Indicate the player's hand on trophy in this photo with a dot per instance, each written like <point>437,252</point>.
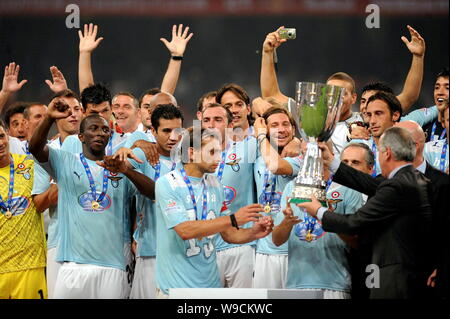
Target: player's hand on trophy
<point>327,155</point>
<point>273,41</point>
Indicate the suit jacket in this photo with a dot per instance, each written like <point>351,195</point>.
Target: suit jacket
<point>398,217</point>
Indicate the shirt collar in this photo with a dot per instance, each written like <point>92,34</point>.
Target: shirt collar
<point>422,167</point>
<point>396,170</point>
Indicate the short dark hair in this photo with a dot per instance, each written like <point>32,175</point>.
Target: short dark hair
<point>378,87</point>
<point>66,93</point>
<point>2,124</point>
<point>15,108</point>
<point>89,117</point>
<point>343,77</point>
<point>370,158</point>
<point>204,133</point>
<point>95,94</point>
<point>444,73</point>
<point>26,112</point>
<point>167,112</point>
<point>276,110</point>
<point>390,99</point>
<point>152,91</point>
<point>205,96</point>
<point>240,93</point>
<point>227,111</point>
<point>135,100</point>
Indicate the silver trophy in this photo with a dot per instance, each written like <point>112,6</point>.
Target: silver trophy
<point>316,112</point>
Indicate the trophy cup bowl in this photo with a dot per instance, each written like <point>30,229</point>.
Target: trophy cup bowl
<point>316,112</point>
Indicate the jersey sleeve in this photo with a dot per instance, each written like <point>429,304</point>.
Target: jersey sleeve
<point>173,209</point>
<point>41,181</point>
<point>353,201</point>
<point>422,116</point>
<point>295,163</point>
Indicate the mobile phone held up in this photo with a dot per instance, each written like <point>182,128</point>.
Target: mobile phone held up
<point>288,33</point>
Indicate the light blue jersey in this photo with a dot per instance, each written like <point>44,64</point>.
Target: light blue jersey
<point>186,263</point>
<point>145,234</point>
<point>138,135</point>
<point>436,155</point>
<point>422,116</point>
<point>320,263</point>
<point>42,181</point>
<point>87,235</point>
<point>238,181</point>
<point>265,245</point>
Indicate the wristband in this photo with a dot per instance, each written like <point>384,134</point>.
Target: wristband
<point>264,134</point>
<point>260,140</point>
<point>177,58</point>
<point>234,221</point>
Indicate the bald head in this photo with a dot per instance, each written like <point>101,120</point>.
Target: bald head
<point>417,135</point>
<point>162,98</point>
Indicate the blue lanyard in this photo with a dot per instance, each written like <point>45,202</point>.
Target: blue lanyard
<point>433,130</point>
<point>374,151</point>
<point>310,221</point>
<point>268,197</point>
<point>6,208</point>
<point>109,147</point>
<point>158,169</point>
<point>91,181</point>
<point>443,155</point>
<point>221,166</point>
<point>191,192</point>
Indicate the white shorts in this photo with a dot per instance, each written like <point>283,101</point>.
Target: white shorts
<point>129,259</point>
<point>144,285</point>
<point>236,266</point>
<point>331,294</point>
<point>52,271</point>
<point>84,281</point>
<point>270,271</point>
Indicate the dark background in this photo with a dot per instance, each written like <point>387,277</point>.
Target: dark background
<point>223,49</point>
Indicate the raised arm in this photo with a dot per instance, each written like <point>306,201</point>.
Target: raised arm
<point>274,162</point>
<point>176,47</point>
<point>88,43</point>
<point>10,84</point>
<point>413,82</point>
<point>59,82</point>
<point>38,142</point>
<point>268,78</point>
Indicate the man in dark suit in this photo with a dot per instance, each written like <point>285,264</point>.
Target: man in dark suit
<point>397,216</point>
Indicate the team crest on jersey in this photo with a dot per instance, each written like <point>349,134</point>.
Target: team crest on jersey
<point>19,205</point>
<point>276,201</point>
<point>234,162</point>
<point>309,225</point>
<point>114,179</point>
<point>230,194</point>
<point>23,170</point>
<point>85,201</point>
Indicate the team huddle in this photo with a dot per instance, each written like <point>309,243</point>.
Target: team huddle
<point>129,201</point>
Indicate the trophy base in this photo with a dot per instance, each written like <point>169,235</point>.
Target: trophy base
<point>302,194</point>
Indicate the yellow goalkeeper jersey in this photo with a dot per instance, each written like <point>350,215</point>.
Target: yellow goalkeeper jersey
<point>22,239</point>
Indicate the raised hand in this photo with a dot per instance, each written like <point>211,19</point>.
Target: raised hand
<point>57,109</point>
<point>262,227</point>
<point>10,84</point>
<point>273,41</point>
<point>289,216</point>
<point>260,126</point>
<point>150,150</point>
<point>59,82</point>
<point>417,44</point>
<point>180,38</point>
<point>88,43</point>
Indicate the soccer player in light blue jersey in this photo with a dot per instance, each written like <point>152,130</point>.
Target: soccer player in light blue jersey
<point>191,210</point>
<point>92,196</point>
<point>167,120</point>
<point>436,152</point>
<point>317,259</point>
<point>272,173</point>
<point>45,189</point>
